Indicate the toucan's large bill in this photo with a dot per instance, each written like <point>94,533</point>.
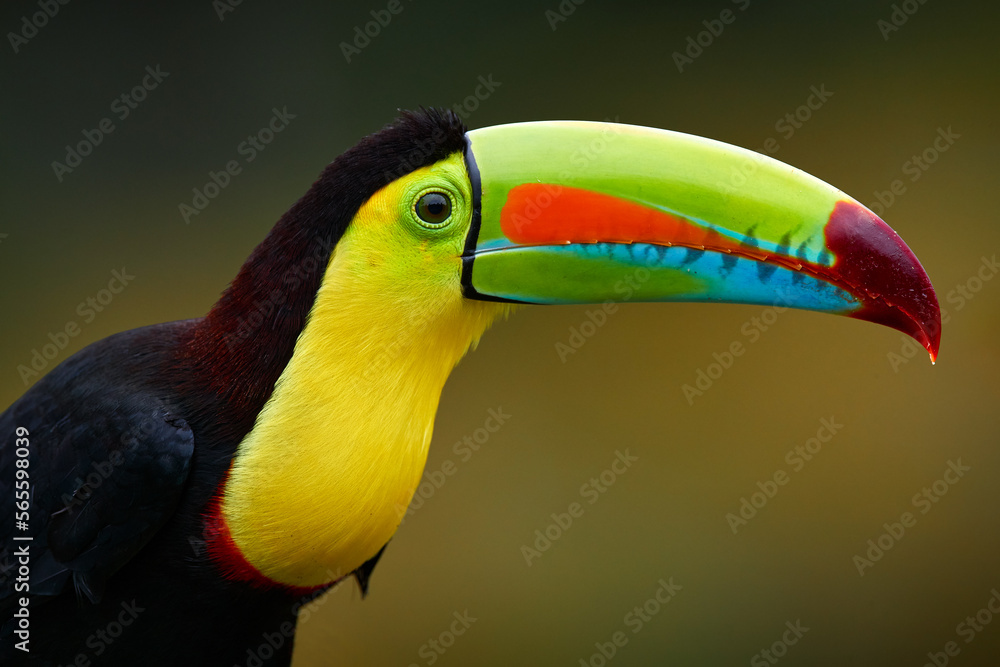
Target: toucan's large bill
<point>564,210</point>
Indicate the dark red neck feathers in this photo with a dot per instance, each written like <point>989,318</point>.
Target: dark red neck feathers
<point>232,357</point>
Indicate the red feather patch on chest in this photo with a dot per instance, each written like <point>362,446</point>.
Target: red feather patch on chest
<point>228,558</point>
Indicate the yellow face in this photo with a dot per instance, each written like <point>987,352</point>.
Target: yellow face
<point>409,237</point>
<point>322,481</point>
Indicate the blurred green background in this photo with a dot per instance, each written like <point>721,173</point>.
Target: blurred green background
<point>903,419</point>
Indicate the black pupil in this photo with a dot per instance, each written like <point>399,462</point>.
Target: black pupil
<point>433,207</point>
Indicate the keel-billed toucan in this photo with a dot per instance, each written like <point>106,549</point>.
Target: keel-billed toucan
<point>194,481</point>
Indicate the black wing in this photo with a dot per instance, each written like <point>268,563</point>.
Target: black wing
<point>106,463</point>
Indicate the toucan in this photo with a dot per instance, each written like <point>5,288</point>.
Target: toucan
<point>173,494</point>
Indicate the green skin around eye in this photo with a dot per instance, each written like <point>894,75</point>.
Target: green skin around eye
<point>446,239</point>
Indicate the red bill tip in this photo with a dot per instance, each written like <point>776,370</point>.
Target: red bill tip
<point>884,273</point>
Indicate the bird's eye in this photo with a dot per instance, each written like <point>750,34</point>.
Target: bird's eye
<point>434,209</point>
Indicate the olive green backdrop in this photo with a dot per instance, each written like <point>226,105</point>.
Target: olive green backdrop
<point>895,92</point>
